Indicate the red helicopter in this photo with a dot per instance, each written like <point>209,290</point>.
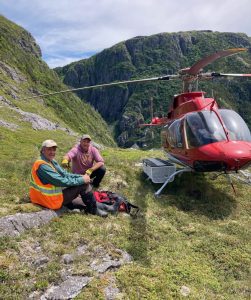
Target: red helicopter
<point>196,133</point>
<point>199,134</point>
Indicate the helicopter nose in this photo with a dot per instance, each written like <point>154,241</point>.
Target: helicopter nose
<point>224,156</point>
<point>236,154</point>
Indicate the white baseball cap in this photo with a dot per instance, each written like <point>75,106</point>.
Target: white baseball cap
<point>86,136</point>
<point>49,143</point>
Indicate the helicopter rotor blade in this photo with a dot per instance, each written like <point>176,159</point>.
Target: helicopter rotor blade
<point>196,68</point>
<point>187,75</point>
<point>165,77</point>
<point>229,75</point>
<point>216,74</point>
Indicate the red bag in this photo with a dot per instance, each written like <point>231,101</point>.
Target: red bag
<point>110,198</point>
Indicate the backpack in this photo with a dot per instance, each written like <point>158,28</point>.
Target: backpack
<point>120,202</point>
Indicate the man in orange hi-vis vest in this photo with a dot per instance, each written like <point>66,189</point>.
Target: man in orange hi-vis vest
<point>51,186</point>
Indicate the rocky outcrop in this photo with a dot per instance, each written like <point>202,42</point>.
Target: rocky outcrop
<point>37,122</point>
<point>16,224</point>
<point>28,44</point>
<point>100,262</point>
<point>11,72</point>
<point>8,125</point>
<point>68,289</point>
<point>97,259</point>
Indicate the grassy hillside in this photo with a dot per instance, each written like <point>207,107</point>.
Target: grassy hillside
<point>196,234</point>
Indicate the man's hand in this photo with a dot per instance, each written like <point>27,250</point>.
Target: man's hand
<point>89,172</point>
<point>86,178</point>
<point>65,163</point>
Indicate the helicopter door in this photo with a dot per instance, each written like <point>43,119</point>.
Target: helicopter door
<point>174,134</point>
<point>203,128</point>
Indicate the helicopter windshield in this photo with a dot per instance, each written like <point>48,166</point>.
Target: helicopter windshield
<point>203,128</point>
<point>236,126</point>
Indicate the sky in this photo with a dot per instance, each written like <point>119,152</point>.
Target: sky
<point>70,30</point>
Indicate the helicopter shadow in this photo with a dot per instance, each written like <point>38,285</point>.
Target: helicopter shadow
<point>197,193</point>
<point>139,231</point>
<point>193,193</point>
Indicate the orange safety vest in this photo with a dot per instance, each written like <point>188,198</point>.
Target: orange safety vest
<point>46,195</point>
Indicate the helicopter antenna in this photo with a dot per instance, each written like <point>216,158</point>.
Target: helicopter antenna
<point>151,107</point>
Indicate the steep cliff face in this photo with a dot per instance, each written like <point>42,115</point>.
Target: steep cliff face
<point>156,55</point>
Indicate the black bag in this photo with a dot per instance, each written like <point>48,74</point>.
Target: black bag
<point>118,201</point>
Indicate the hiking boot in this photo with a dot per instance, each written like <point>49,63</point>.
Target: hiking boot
<point>110,208</point>
<point>101,213</point>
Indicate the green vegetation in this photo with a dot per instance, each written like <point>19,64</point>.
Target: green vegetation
<point>195,235</point>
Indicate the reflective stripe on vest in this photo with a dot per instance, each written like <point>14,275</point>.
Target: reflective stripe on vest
<point>46,195</point>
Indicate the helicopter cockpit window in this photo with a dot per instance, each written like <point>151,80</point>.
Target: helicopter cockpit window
<point>175,134</point>
<point>236,126</point>
<point>203,128</point>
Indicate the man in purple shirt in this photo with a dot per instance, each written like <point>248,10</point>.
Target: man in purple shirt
<point>86,159</point>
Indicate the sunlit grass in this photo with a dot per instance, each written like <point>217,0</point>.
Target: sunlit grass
<point>195,234</point>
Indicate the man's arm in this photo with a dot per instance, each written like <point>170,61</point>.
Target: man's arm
<point>69,156</point>
<point>50,176</point>
<point>97,165</point>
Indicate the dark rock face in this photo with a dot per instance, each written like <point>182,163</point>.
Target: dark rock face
<point>143,57</point>
<point>28,44</point>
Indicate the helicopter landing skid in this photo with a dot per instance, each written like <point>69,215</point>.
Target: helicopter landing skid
<point>171,178</point>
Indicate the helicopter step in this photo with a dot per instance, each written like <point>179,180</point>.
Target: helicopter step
<point>162,171</point>
<point>158,170</point>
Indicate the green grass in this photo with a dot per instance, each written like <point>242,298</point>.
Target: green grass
<point>195,234</point>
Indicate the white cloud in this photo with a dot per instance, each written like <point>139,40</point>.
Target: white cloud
<point>60,61</point>
<point>64,28</point>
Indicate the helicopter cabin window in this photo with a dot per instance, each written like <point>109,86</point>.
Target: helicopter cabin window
<point>175,134</point>
<point>236,126</point>
<point>203,128</point>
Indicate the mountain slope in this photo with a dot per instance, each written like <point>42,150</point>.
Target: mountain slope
<point>23,74</point>
<point>156,55</point>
